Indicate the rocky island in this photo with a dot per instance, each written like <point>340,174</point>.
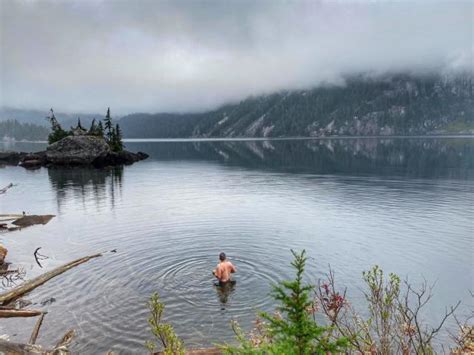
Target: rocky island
<point>97,147</point>
<point>73,151</point>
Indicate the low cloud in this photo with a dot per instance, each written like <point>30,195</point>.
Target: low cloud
<point>179,56</point>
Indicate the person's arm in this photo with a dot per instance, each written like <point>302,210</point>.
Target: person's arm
<point>217,273</point>
<point>232,268</point>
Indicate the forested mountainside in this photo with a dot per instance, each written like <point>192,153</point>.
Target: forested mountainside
<point>395,105</point>
<point>12,129</point>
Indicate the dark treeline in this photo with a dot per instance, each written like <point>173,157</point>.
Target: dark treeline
<point>23,131</point>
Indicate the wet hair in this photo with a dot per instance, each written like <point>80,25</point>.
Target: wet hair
<point>222,256</point>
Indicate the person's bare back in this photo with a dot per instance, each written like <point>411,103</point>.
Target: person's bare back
<point>224,269</point>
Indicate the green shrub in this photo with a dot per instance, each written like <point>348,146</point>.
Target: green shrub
<point>163,332</point>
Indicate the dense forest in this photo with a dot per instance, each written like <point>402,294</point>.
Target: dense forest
<point>393,105</point>
<point>12,129</point>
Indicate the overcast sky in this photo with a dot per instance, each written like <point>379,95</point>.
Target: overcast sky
<point>155,56</point>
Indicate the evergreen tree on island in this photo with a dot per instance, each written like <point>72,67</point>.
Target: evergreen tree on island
<point>100,129</point>
<point>117,145</point>
<point>108,126</point>
<point>96,130</point>
<point>79,123</point>
<point>112,135</point>
<point>93,128</point>
<point>57,132</point>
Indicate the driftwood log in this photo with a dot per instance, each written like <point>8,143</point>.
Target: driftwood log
<point>10,313</point>
<point>61,348</point>
<point>31,220</point>
<point>4,190</point>
<point>34,334</point>
<point>27,286</point>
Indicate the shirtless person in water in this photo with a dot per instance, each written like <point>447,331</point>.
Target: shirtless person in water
<point>224,269</point>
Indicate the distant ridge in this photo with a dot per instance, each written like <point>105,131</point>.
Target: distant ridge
<point>389,105</point>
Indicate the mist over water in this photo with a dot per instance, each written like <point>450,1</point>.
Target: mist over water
<point>404,204</point>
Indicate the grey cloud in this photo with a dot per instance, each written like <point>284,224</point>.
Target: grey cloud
<point>194,55</point>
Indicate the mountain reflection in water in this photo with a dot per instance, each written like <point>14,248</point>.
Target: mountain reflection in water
<point>415,157</point>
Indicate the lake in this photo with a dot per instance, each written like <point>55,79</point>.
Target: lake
<point>405,204</point>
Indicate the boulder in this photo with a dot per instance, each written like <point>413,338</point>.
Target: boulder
<point>33,160</point>
<point>77,150</point>
<point>120,158</point>
<point>11,158</point>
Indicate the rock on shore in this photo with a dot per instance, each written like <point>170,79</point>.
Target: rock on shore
<point>73,151</point>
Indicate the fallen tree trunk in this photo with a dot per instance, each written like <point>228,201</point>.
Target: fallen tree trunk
<point>61,347</point>
<point>27,286</point>
<point>10,313</point>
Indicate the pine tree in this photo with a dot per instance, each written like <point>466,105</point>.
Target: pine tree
<point>296,331</point>
<point>57,132</point>
<point>52,120</point>
<point>116,139</point>
<point>108,126</point>
<point>113,140</point>
<point>100,130</point>
<point>93,129</point>
<point>118,144</point>
<point>79,123</point>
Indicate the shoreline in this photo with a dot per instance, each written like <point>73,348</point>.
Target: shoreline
<point>245,139</point>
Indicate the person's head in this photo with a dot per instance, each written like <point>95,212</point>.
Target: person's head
<point>222,256</point>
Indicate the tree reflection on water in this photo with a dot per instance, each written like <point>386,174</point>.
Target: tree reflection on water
<point>86,183</point>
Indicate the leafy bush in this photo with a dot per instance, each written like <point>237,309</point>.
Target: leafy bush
<point>163,332</point>
<point>393,324</point>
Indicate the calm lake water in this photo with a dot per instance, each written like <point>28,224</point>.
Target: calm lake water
<point>404,204</point>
